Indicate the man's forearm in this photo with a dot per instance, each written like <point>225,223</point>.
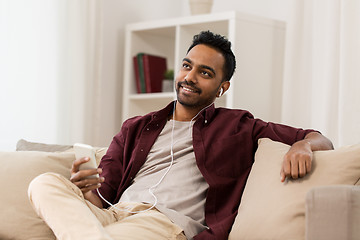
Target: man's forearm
<point>94,199</point>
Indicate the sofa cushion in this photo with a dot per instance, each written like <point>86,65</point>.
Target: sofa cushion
<point>271,209</point>
<point>23,145</point>
<point>18,220</point>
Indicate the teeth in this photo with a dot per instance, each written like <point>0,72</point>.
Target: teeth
<point>188,89</point>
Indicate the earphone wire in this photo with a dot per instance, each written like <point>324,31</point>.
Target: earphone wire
<point>167,170</point>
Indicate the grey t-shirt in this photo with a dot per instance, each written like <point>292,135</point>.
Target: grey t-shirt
<point>181,195</point>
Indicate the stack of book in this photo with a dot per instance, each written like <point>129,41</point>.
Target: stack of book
<point>149,72</point>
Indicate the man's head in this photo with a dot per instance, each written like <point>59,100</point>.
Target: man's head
<point>221,44</point>
<point>204,74</point>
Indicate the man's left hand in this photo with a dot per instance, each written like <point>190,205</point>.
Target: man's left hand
<point>297,161</point>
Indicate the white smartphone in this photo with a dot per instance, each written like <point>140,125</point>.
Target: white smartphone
<point>83,150</point>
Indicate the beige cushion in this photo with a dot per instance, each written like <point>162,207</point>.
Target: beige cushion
<point>23,145</point>
<point>99,153</point>
<point>271,209</point>
<point>17,218</point>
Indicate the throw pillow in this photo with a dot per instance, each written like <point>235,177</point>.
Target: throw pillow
<point>17,217</point>
<point>23,145</point>
<point>271,209</point>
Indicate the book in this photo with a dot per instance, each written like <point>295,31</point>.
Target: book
<point>154,68</point>
<point>141,72</point>
<point>137,74</point>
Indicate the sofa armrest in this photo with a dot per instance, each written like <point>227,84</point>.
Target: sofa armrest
<point>333,212</point>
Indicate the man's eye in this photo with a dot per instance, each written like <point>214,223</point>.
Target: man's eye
<point>206,73</point>
<point>185,65</point>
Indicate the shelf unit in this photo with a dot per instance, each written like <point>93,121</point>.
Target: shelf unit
<point>258,44</point>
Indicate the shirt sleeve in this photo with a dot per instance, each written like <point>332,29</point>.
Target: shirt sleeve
<point>112,166</point>
<point>278,132</point>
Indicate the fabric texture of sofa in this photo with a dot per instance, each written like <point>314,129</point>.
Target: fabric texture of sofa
<point>323,205</point>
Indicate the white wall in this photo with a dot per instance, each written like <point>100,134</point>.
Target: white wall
<point>24,114</point>
<point>118,13</point>
<point>28,107</point>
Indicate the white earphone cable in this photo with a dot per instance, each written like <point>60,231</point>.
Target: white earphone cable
<point>167,170</point>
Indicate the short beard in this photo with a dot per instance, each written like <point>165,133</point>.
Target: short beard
<point>197,105</point>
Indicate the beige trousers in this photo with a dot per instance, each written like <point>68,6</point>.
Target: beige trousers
<point>62,206</point>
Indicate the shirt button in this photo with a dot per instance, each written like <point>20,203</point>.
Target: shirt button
<point>147,129</point>
<point>205,121</point>
<point>141,150</point>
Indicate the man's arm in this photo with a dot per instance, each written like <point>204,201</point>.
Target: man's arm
<point>298,160</point>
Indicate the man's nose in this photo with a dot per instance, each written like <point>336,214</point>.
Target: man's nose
<point>191,76</point>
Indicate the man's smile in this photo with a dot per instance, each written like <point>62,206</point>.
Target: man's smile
<point>189,89</point>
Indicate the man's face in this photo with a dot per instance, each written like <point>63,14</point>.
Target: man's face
<point>200,77</point>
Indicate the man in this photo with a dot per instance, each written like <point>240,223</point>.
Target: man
<point>177,173</point>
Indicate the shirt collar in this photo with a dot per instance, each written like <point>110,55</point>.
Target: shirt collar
<point>206,115</point>
<point>165,112</point>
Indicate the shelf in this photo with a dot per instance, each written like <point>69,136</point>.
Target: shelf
<point>257,42</point>
<point>149,96</point>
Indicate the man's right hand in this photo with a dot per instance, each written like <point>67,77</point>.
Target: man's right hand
<point>81,179</point>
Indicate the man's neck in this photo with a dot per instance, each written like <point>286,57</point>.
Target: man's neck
<point>183,113</point>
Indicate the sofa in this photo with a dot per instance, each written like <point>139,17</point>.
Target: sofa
<point>325,204</point>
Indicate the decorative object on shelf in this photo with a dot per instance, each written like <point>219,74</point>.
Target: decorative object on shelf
<point>168,82</point>
<point>200,6</point>
<point>149,72</point>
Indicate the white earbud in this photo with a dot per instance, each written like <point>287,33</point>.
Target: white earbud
<point>221,92</point>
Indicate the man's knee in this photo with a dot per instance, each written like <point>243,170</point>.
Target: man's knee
<point>42,183</point>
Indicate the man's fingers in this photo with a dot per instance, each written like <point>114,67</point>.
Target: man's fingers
<point>82,179</point>
<point>308,164</point>
<point>282,176</point>
<point>89,187</point>
<point>294,169</point>
<point>76,164</point>
<point>302,169</point>
<point>88,184</point>
<point>297,161</point>
<point>285,170</point>
<point>84,174</point>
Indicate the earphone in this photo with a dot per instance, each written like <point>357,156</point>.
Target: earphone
<point>168,169</point>
<point>221,92</point>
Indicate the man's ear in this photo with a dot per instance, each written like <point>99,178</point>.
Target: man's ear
<point>224,87</point>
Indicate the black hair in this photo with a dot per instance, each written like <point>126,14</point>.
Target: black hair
<point>221,44</point>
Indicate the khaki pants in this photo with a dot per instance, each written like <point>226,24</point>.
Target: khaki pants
<point>62,206</point>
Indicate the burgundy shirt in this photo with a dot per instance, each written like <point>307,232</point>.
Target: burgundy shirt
<point>225,141</point>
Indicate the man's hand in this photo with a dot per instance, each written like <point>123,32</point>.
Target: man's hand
<point>297,161</point>
<point>81,180</point>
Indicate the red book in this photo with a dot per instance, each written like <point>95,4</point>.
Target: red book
<point>154,69</point>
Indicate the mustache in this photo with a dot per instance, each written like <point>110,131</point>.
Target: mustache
<point>189,85</point>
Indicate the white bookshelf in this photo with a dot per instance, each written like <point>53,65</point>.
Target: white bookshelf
<point>258,44</point>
